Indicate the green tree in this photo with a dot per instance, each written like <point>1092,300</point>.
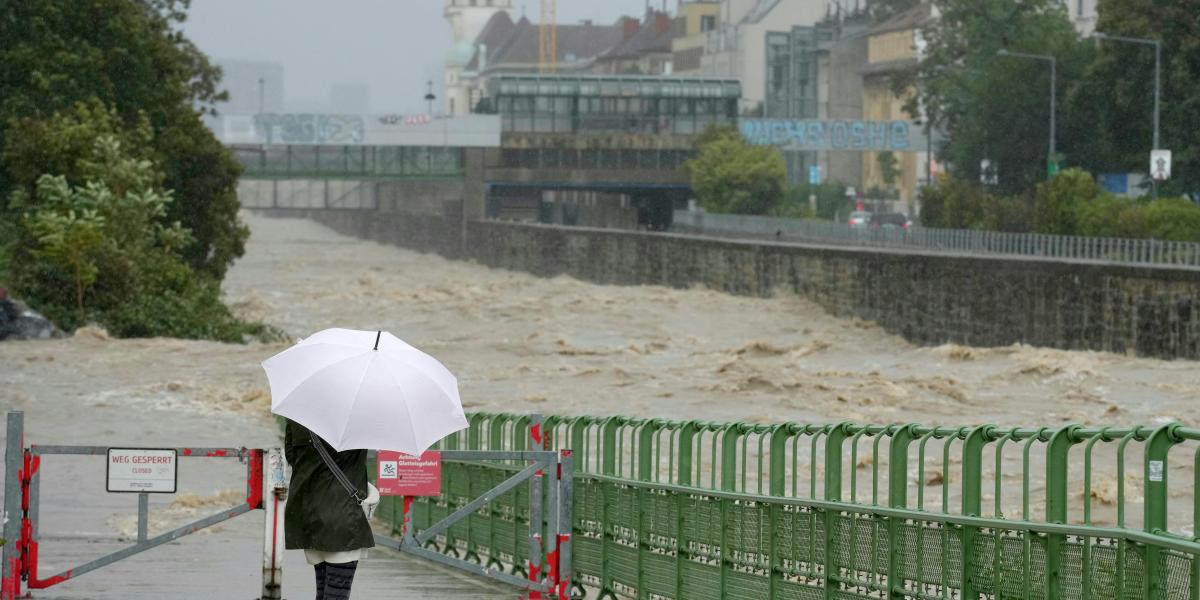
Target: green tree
<point>1118,88</point>
<point>132,56</point>
<point>1174,219</point>
<point>794,205</point>
<point>1057,202</point>
<point>958,204</point>
<point>889,167</point>
<point>69,241</point>
<point>65,144</point>
<point>106,250</point>
<point>997,107</point>
<point>730,175</point>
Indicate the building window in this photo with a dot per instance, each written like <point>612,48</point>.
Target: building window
<point>708,23</point>
<point>452,106</point>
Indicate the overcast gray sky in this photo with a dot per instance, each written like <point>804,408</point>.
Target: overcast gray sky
<point>393,46</point>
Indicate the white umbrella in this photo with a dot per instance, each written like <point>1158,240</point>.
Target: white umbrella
<point>365,389</point>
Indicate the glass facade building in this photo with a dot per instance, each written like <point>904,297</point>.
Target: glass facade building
<point>582,104</point>
<point>792,72</point>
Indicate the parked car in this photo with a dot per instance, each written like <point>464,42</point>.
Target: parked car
<point>860,219</point>
<point>890,221</point>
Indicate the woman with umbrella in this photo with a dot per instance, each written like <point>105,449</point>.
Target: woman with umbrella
<point>320,517</point>
<point>343,392</point>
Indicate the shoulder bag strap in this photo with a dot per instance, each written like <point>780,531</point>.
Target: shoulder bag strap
<point>337,471</point>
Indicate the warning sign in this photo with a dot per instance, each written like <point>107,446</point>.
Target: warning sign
<point>403,475</point>
<point>142,470</point>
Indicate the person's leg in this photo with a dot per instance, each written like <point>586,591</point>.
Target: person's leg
<point>320,569</point>
<point>338,577</point>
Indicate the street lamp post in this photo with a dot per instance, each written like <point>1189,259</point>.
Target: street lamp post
<point>1053,92</point>
<point>1157,79</point>
<point>429,97</point>
<point>927,123</point>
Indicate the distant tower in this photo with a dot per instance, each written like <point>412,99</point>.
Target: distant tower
<point>467,19</point>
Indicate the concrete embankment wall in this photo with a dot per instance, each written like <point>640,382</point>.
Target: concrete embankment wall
<point>425,232</point>
<point>927,298</point>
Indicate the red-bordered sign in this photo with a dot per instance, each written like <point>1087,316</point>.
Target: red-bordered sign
<point>403,475</point>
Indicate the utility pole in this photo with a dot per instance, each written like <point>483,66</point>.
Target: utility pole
<point>1157,81</point>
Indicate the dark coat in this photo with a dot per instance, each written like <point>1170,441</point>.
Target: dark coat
<point>320,515</point>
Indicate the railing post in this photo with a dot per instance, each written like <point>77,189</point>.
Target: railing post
<point>1058,451</point>
<point>687,434</point>
<point>729,457</point>
<point>579,426</point>
<point>833,493</point>
<point>475,423</point>
<point>14,458</point>
<point>902,438</point>
<point>833,461</point>
<point>553,505</point>
<point>536,523</point>
<point>534,566</point>
<point>646,449</point>
<point>777,468</point>
<point>274,497</point>
<point>566,521</point>
<point>143,523</point>
<point>608,446</point>
<point>1158,446</point>
<point>972,501</point>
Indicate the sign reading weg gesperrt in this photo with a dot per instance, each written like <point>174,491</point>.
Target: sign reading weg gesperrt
<point>142,470</point>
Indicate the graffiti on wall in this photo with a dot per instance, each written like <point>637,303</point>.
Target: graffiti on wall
<point>811,134</point>
<point>421,119</point>
<point>307,128</point>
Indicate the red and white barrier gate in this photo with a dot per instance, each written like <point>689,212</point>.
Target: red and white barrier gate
<point>141,471</point>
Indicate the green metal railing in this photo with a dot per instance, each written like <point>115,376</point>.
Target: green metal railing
<point>697,509</point>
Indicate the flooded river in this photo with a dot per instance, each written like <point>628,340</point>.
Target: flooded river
<point>519,343</point>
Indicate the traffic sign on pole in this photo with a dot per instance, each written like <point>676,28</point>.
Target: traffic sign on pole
<point>988,172</point>
<point>814,174</point>
<point>1160,165</point>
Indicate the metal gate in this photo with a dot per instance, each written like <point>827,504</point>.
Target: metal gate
<point>547,568</point>
<point>265,489</point>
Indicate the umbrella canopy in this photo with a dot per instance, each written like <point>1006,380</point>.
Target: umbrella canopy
<point>365,389</point>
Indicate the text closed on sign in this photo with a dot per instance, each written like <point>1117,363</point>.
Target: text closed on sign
<point>403,475</point>
<point>142,470</point>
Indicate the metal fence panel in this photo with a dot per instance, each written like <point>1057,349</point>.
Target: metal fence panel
<point>1128,251</point>
<point>692,509</point>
